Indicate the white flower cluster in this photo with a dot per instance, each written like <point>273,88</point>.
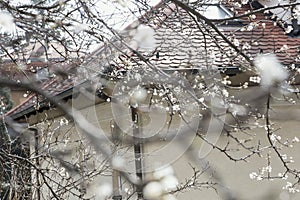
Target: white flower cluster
<point>144,37</point>
<point>236,42</point>
<point>295,139</point>
<point>259,177</point>
<point>288,29</point>
<point>63,121</point>
<point>254,175</point>
<point>165,181</point>
<point>225,93</point>
<point>137,95</point>
<point>63,172</point>
<point>104,191</point>
<point>284,48</point>
<point>290,187</point>
<point>244,2</point>
<point>236,109</point>
<point>275,138</point>
<point>255,79</point>
<point>6,22</point>
<point>79,27</point>
<point>118,163</point>
<point>176,108</point>
<point>226,81</point>
<point>246,46</point>
<point>270,70</point>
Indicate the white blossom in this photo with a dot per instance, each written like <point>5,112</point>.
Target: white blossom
<point>255,79</point>
<point>295,139</point>
<point>284,48</point>
<point>236,109</point>
<point>284,156</point>
<point>63,122</point>
<point>127,191</point>
<point>268,169</point>
<point>246,46</point>
<point>176,108</point>
<point>250,27</point>
<point>138,77</point>
<point>285,177</point>
<point>288,184</point>
<point>290,188</point>
<point>236,42</point>
<point>252,17</point>
<point>104,191</point>
<point>289,29</point>
<point>278,137</point>
<point>244,2</point>
<point>153,190</point>
<point>253,175</point>
<point>259,178</point>
<point>6,21</point>
<point>118,162</point>
<point>145,37</point>
<point>201,99</point>
<point>169,182</point>
<point>293,190</point>
<point>162,172</point>
<point>271,71</point>
<point>77,28</point>
<point>139,94</point>
<point>225,92</point>
<point>275,138</point>
<point>62,171</point>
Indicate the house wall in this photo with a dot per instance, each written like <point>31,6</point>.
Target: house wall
<point>18,96</point>
<point>233,175</point>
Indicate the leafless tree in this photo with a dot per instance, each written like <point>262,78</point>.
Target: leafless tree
<point>168,79</point>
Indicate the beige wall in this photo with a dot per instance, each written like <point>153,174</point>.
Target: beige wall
<point>234,175</point>
<point>17,97</point>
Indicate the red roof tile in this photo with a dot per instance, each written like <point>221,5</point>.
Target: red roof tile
<point>267,37</point>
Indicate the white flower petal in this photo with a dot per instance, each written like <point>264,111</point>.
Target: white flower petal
<point>6,21</point>
<point>145,37</point>
<point>169,183</point>
<point>162,172</point>
<point>153,190</point>
<point>271,71</point>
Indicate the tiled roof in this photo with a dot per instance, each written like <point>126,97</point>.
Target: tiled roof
<point>264,35</point>
<point>53,86</point>
<point>185,42</point>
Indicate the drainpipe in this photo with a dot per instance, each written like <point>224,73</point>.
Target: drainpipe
<point>116,177</point>
<point>37,163</point>
<point>138,149</point>
<point>294,20</point>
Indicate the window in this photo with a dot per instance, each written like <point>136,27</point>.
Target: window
<point>215,11</point>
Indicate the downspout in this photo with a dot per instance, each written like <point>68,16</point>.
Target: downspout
<point>296,28</point>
